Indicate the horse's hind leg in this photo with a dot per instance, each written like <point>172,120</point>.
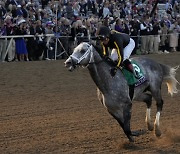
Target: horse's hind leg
<point>147,98</point>
<point>156,122</point>
<point>159,103</point>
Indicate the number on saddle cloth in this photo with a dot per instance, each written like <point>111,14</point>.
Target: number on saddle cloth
<point>131,79</point>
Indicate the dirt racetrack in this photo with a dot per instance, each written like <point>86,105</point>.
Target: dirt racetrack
<point>46,109</point>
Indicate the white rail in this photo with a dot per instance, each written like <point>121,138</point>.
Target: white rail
<point>49,36</point>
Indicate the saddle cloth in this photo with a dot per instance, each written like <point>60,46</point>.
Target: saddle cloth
<point>131,79</point>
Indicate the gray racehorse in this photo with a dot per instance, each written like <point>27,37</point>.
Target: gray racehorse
<point>113,92</point>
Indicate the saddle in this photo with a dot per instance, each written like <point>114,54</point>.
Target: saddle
<point>131,79</point>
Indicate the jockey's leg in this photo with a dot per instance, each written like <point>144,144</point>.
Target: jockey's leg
<point>127,52</point>
<point>128,49</point>
<point>128,65</point>
<point>114,55</point>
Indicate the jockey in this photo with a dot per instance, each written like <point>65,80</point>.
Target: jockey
<point>121,46</point>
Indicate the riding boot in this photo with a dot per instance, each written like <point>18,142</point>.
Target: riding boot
<point>128,65</point>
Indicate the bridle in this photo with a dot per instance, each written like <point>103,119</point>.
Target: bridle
<point>84,56</point>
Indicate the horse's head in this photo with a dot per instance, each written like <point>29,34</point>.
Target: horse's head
<point>81,56</point>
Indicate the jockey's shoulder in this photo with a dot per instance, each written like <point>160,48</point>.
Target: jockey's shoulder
<point>115,32</point>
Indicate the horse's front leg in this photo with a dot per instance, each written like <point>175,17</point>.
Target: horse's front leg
<point>123,116</point>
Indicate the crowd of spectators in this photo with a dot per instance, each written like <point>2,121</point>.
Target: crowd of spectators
<point>73,21</point>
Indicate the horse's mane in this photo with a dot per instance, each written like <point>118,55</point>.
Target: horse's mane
<point>106,59</point>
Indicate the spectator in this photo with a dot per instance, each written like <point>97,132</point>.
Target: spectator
<point>128,9</point>
<point>116,12</point>
<point>2,12</point>
<point>173,38</point>
<point>81,32</point>
<point>126,26</point>
<point>83,7</point>
<point>24,10</point>
<point>144,31</point>
<point>76,9</point>
<point>118,25</point>
<point>64,39</point>
<point>49,41</point>
<point>21,50</point>
<point>100,8</point>
<point>150,38</point>
<point>168,7</point>
<point>9,28</point>
<point>91,26</point>
<point>14,11</point>
<point>3,42</point>
<point>32,50</point>
<point>19,11</point>
<point>154,38</point>
<point>44,3</point>
<point>93,6</point>
<point>106,22</point>
<point>166,21</point>
<point>31,13</point>
<point>176,9</point>
<point>42,49</point>
<point>134,26</point>
<point>164,41</point>
<point>106,11</point>
<point>122,11</point>
<point>69,10</point>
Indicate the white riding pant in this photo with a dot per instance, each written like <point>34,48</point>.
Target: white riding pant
<point>126,51</point>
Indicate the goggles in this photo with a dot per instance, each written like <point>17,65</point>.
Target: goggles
<point>101,37</point>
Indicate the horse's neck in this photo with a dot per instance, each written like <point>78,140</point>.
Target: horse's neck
<point>100,72</point>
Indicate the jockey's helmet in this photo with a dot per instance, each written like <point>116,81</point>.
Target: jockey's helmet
<point>104,32</point>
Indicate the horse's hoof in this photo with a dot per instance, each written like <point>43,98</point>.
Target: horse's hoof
<point>131,139</point>
<point>138,132</point>
<point>150,127</point>
<point>135,133</point>
<point>157,131</point>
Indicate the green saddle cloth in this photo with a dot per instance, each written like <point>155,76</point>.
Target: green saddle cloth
<point>131,79</point>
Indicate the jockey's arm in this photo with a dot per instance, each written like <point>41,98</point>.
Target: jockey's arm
<point>99,48</point>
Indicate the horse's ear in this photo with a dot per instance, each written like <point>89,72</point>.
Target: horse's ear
<point>92,43</point>
<point>91,47</point>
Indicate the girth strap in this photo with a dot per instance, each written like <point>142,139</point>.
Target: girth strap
<point>131,91</point>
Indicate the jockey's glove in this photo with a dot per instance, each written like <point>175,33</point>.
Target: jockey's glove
<point>113,71</point>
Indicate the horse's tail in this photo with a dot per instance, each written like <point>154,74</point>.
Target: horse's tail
<point>169,77</point>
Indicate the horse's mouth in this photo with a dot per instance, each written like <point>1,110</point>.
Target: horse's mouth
<point>68,64</point>
<point>71,68</point>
